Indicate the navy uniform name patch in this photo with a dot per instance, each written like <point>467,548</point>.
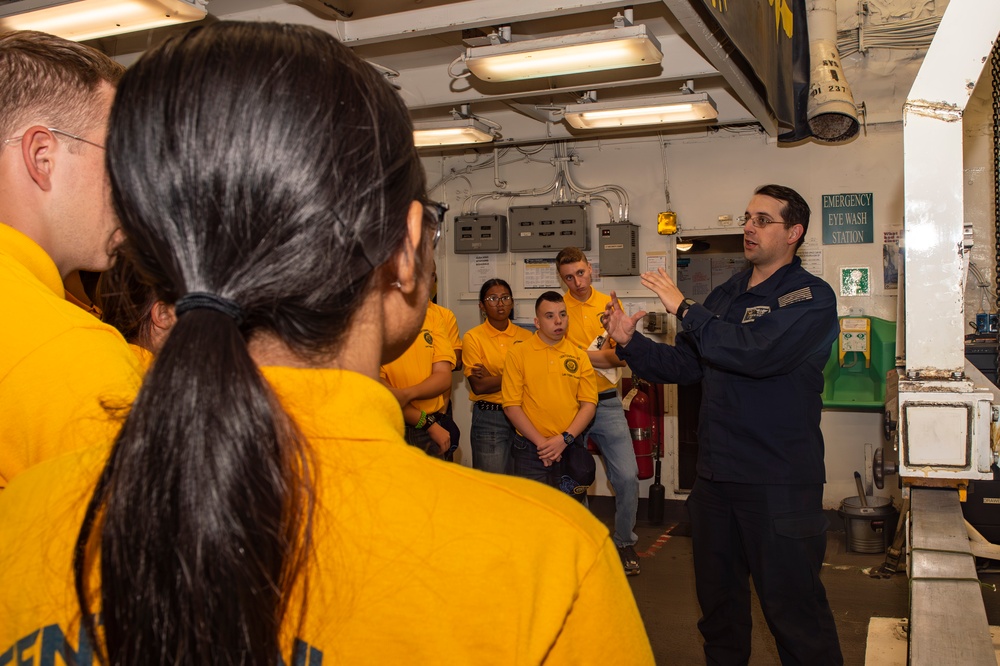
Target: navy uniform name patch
<point>797,296</point>
<point>755,313</point>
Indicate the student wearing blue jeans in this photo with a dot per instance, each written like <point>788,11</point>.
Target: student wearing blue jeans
<point>585,306</point>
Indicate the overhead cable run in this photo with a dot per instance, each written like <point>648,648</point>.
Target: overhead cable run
<point>901,35</point>
<point>565,188</point>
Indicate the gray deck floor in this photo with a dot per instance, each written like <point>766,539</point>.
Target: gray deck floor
<point>665,591</point>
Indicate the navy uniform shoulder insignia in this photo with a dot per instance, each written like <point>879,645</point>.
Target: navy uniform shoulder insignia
<point>797,296</point>
<point>754,313</point>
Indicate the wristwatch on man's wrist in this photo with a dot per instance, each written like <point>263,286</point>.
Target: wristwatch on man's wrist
<point>429,421</point>
<point>684,307</point>
<point>568,438</point>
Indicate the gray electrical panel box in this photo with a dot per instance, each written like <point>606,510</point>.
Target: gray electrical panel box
<point>545,228</point>
<point>618,248</point>
<point>480,234</point>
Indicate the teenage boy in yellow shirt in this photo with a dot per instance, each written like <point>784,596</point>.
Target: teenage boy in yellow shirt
<point>549,393</point>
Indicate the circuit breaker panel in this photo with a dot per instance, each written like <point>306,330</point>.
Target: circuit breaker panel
<point>547,228</point>
<point>618,247</point>
<point>480,234</point>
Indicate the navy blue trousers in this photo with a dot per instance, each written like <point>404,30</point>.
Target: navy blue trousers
<point>776,535</point>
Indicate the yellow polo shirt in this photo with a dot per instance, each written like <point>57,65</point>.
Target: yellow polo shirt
<point>414,366</point>
<point>448,323</point>
<point>549,382</point>
<point>585,325</point>
<point>485,344</point>
<point>59,365</point>
<point>415,561</point>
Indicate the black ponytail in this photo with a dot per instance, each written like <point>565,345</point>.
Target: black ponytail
<point>269,166</point>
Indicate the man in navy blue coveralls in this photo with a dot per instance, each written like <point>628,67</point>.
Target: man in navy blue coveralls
<point>758,345</point>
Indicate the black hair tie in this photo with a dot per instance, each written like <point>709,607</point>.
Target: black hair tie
<point>195,300</point>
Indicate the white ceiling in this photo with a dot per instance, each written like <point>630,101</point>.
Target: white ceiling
<point>420,38</point>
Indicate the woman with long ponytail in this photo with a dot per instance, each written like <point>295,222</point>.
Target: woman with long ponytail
<point>259,505</point>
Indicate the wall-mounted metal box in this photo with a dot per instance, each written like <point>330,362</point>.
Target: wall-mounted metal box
<point>618,248</point>
<point>480,234</point>
<point>545,228</point>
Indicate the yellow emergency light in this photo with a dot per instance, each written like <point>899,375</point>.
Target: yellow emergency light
<point>666,223</point>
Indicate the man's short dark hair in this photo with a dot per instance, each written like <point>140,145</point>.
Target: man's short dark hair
<point>548,296</point>
<point>48,80</point>
<point>795,209</point>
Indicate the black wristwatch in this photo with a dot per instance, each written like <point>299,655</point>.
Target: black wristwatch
<point>429,421</point>
<point>568,438</point>
<point>684,307</point>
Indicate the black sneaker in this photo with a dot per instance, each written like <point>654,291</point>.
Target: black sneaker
<point>630,560</point>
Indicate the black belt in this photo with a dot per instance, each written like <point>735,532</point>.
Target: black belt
<point>489,406</point>
<point>607,395</point>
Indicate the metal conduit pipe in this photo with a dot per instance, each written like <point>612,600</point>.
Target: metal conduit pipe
<point>831,113</point>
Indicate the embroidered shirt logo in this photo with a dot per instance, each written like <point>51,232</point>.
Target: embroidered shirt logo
<point>755,313</point>
<point>571,365</point>
<point>428,338</point>
<point>797,296</point>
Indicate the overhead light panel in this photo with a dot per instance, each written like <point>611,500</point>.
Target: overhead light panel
<point>596,51</point>
<point>452,132</point>
<point>80,20</point>
<point>681,108</point>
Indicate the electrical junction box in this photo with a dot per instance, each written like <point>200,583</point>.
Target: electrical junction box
<point>655,322</point>
<point>480,234</point>
<point>618,247</point>
<point>546,228</point>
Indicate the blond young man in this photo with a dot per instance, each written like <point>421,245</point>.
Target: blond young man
<point>60,366</point>
<point>585,306</point>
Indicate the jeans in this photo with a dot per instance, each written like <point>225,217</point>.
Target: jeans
<point>422,440</point>
<point>609,430</point>
<point>775,535</point>
<point>526,464</point>
<point>491,437</point>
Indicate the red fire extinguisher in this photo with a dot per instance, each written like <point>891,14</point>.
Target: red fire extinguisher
<point>639,415</point>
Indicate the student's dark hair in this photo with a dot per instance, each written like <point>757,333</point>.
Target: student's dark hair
<point>125,301</point>
<point>495,282</point>
<point>550,296</point>
<point>268,165</point>
<point>795,210</point>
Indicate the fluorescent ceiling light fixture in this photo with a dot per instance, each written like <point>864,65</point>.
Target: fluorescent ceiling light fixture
<point>80,20</point>
<point>682,108</point>
<point>451,132</point>
<point>570,54</point>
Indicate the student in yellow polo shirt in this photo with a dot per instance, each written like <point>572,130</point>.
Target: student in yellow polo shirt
<point>486,348</point>
<point>549,393</point>
<point>610,431</point>
<point>421,381</point>
<point>59,366</point>
<point>260,505</point>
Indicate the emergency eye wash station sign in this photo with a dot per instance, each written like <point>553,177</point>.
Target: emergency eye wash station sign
<point>847,219</point>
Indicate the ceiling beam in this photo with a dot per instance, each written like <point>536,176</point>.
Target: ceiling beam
<point>704,37</point>
<point>434,20</point>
